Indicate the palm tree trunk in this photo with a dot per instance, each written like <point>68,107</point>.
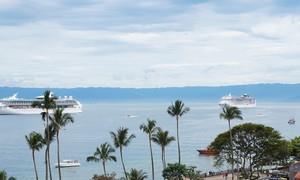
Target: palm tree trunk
<point>121,154</point>
<point>46,164</point>
<point>178,144</point>
<point>33,158</point>
<point>104,169</point>
<point>58,155</point>
<point>152,163</point>
<point>47,143</point>
<point>49,163</point>
<point>231,147</point>
<point>162,157</point>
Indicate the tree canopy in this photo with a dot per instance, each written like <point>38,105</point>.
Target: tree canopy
<point>254,145</point>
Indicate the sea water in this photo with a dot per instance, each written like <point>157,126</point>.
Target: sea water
<point>197,129</point>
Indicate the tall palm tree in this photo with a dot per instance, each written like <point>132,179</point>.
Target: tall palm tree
<point>47,103</point>
<point>163,139</point>
<point>35,142</point>
<point>177,110</point>
<point>51,136</point>
<point>122,139</point>
<point>229,113</point>
<point>59,120</point>
<point>103,154</point>
<point>149,129</point>
<point>135,174</point>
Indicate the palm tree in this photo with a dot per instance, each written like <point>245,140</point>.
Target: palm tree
<point>35,142</point>
<point>103,154</point>
<point>135,174</point>
<point>163,139</point>
<point>122,139</point>
<point>3,175</point>
<point>229,113</point>
<point>47,103</point>
<point>149,129</point>
<point>60,120</point>
<point>177,110</point>
<point>49,129</point>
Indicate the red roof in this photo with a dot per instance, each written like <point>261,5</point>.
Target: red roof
<point>297,176</point>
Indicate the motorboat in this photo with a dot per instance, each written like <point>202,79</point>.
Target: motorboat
<point>68,163</point>
<point>207,152</point>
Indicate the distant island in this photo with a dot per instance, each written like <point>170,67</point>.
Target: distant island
<point>266,92</point>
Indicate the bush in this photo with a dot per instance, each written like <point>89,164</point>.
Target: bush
<point>179,172</point>
<point>102,177</point>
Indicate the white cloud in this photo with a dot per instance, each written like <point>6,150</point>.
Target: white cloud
<point>148,44</point>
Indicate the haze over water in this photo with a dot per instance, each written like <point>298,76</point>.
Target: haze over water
<point>91,128</point>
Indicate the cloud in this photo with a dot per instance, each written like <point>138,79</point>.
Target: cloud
<point>132,43</point>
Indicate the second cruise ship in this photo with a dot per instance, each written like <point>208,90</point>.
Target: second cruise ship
<point>243,101</point>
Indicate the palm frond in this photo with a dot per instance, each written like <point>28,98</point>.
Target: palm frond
<point>92,158</point>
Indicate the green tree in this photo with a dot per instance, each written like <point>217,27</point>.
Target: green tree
<point>255,145</point>
<point>35,142</point>
<point>163,139</point>
<point>179,172</point>
<point>177,110</point>
<point>121,140</point>
<point>175,172</point>
<point>135,174</point>
<point>59,120</point>
<point>103,154</point>
<point>229,113</point>
<point>47,103</point>
<point>3,175</point>
<point>149,129</point>
<point>294,146</point>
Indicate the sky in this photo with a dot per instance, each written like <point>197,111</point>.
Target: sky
<point>148,43</point>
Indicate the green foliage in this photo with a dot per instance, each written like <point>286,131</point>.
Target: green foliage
<point>230,113</point>
<point>103,177</point>
<point>177,109</point>
<point>294,147</point>
<point>60,119</point>
<point>179,172</point>
<point>135,174</point>
<point>254,145</point>
<point>163,139</point>
<point>103,154</point>
<point>3,176</point>
<point>121,138</point>
<point>47,103</point>
<point>35,141</point>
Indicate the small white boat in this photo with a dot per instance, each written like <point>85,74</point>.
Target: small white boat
<point>291,121</point>
<point>131,116</point>
<point>68,163</point>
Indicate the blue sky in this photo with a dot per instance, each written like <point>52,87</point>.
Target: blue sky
<point>140,43</point>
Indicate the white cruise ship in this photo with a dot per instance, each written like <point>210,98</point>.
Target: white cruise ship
<point>243,101</point>
<point>14,105</point>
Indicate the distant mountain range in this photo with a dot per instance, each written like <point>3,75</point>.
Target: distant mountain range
<point>267,92</point>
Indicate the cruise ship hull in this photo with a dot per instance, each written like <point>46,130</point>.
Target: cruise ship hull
<point>238,105</point>
<point>12,111</point>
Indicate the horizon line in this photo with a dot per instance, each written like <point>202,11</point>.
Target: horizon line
<point>164,87</point>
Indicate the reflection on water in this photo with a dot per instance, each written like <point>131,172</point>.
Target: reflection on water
<point>79,140</point>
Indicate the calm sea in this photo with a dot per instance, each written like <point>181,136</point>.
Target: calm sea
<point>91,128</point>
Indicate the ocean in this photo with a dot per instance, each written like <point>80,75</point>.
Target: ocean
<point>91,128</point>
